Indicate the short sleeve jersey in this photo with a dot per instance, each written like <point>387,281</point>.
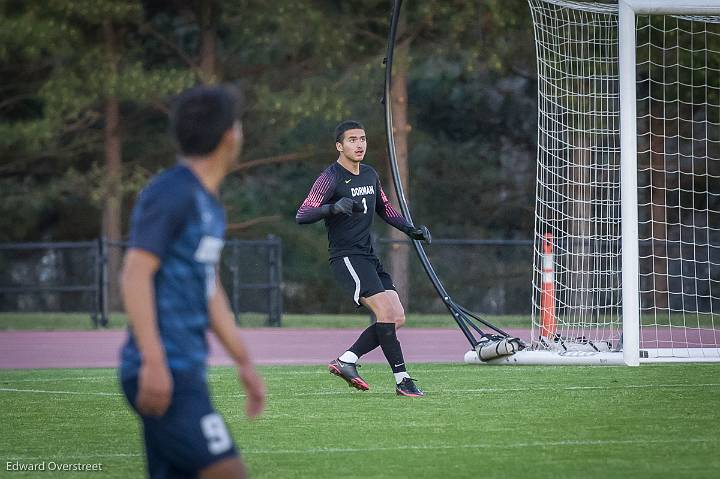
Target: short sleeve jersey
<point>176,219</point>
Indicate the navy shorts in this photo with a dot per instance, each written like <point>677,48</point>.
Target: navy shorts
<point>361,276</point>
<point>190,436</point>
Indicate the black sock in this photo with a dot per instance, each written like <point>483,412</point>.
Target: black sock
<point>391,346</point>
<point>366,342</point>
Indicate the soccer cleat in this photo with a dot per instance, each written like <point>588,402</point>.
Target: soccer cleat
<point>408,388</point>
<point>348,371</point>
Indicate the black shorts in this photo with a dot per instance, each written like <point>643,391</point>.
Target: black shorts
<point>190,436</point>
<point>361,276</point>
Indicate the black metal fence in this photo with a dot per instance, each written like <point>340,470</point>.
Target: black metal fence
<point>74,277</point>
<point>53,277</point>
<point>251,271</point>
<point>488,276</point>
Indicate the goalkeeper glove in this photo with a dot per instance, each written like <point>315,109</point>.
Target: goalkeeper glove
<point>344,206</point>
<point>358,207</point>
<point>421,233</point>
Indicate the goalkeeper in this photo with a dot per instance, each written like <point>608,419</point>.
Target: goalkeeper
<point>346,195</point>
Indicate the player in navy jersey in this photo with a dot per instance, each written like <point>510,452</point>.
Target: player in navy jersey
<point>172,295</point>
<point>347,195</point>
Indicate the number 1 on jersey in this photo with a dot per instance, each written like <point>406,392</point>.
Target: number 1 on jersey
<point>364,201</point>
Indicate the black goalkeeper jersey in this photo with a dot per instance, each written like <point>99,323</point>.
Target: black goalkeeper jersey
<point>349,235</point>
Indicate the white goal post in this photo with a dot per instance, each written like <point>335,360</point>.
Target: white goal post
<point>627,223</point>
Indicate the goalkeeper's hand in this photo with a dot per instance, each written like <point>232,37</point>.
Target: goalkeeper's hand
<point>343,206</point>
<point>421,233</point>
<point>358,207</point>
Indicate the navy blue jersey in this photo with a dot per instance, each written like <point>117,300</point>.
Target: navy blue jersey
<point>350,235</point>
<point>179,221</point>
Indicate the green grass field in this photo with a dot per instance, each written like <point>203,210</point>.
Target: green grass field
<point>64,321</point>
<point>476,422</point>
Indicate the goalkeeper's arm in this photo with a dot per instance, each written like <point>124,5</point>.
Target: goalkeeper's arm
<point>344,206</point>
<point>315,206</point>
<point>392,217</point>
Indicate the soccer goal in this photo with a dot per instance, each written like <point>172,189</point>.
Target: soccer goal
<point>627,216</point>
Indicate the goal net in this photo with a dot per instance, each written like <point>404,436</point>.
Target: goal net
<point>602,275</point>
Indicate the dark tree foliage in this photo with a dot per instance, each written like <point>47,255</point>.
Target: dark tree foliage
<point>304,66</point>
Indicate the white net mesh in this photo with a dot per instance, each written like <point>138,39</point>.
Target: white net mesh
<point>577,281</point>
<point>678,79</point>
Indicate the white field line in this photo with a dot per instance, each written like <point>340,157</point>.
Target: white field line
<point>442,391</point>
<point>63,457</point>
<point>43,391</point>
<point>407,447</point>
<point>583,388</point>
<point>41,380</point>
<point>322,370</point>
<point>422,447</point>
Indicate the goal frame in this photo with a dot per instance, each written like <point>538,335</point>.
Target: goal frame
<point>627,75</point>
<point>627,49</point>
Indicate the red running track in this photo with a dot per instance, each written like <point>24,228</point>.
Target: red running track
<point>99,349</point>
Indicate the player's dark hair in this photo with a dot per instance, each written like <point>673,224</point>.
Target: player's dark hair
<point>345,126</point>
<point>202,115</point>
